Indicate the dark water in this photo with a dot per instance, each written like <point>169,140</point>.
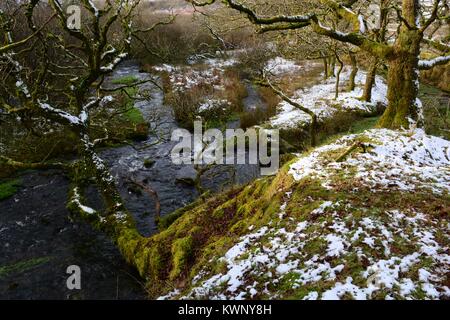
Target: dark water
<point>39,239</point>
<point>37,231</point>
<point>253,100</point>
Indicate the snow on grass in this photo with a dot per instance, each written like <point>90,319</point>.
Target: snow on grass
<point>188,78</point>
<point>273,261</point>
<point>279,65</point>
<point>321,100</point>
<point>209,73</point>
<point>210,104</point>
<point>394,160</point>
<point>345,249</point>
<point>315,259</point>
<point>221,63</point>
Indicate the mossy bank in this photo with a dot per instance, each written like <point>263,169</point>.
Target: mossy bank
<point>281,237</point>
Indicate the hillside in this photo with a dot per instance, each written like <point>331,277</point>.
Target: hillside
<point>373,225</point>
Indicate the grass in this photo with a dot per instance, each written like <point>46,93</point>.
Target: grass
<point>134,115</point>
<point>436,106</point>
<point>22,266</point>
<point>356,127</point>
<point>9,188</point>
<point>363,125</point>
<point>221,122</point>
<point>127,80</point>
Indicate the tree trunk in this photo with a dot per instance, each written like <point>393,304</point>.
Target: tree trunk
<point>403,78</point>
<point>115,221</point>
<point>370,80</point>
<point>332,66</point>
<point>325,68</point>
<point>313,130</point>
<point>351,83</point>
<point>338,75</point>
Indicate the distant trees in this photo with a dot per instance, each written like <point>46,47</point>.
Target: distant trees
<point>409,22</point>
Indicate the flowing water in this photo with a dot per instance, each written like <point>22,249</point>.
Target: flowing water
<point>39,239</point>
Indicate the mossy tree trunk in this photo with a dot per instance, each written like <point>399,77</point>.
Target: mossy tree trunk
<point>331,67</point>
<point>403,74</point>
<point>338,75</point>
<point>351,83</point>
<point>370,80</point>
<point>325,68</point>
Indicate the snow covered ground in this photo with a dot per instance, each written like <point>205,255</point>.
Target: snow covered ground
<point>342,249</point>
<point>394,160</point>
<point>321,100</point>
<point>280,65</point>
<point>186,77</point>
<point>254,268</point>
<point>205,73</point>
<point>210,72</point>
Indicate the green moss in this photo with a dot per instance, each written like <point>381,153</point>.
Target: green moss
<point>134,115</point>
<point>22,266</point>
<point>156,263</point>
<point>182,250</point>
<point>240,227</point>
<point>219,212</point>
<point>9,188</point>
<point>167,220</point>
<point>138,129</point>
<point>148,163</point>
<point>127,80</point>
<point>212,252</point>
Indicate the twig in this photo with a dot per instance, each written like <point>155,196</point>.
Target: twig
<point>153,194</point>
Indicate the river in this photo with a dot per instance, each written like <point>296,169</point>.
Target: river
<point>39,238</point>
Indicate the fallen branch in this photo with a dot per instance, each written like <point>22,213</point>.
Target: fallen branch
<point>352,148</point>
<point>34,165</point>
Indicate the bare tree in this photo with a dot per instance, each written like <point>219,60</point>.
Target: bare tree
<point>54,76</point>
<point>402,56</point>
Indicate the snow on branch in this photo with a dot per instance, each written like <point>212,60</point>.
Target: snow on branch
<point>285,22</point>
<point>428,64</point>
<point>60,115</point>
<point>254,18</point>
<point>110,67</point>
<point>93,8</point>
